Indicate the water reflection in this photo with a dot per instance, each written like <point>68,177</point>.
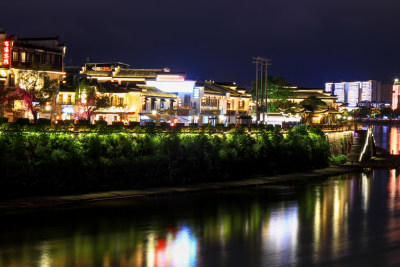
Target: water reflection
<point>336,220</point>
<point>388,138</point>
<point>280,235</point>
<point>174,249</point>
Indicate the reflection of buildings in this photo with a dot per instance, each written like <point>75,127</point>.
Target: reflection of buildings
<point>280,235</point>
<point>22,55</point>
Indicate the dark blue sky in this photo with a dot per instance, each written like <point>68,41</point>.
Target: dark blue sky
<point>309,41</point>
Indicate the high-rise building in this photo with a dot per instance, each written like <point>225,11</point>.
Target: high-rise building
<point>354,93</point>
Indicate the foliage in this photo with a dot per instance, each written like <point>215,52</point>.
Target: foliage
<point>35,88</point>
<point>337,159</point>
<point>278,93</point>
<point>363,112</point>
<point>385,112</point>
<point>90,98</point>
<point>45,162</point>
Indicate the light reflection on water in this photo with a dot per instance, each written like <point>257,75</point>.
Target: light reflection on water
<point>316,224</point>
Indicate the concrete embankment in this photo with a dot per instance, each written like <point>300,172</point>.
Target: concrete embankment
<point>51,201</point>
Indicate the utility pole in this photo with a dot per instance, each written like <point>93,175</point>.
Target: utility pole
<point>262,64</point>
<point>257,62</point>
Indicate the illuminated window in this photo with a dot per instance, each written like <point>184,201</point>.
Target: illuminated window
<point>69,98</point>
<point>15,56</point>
<point>23,57</point>
<point>121,101</point>
<point>60,98</point>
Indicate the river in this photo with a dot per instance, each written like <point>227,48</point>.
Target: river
<point>348,220</point>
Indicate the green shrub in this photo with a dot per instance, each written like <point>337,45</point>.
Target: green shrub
<point>101,123</point>
<point>3,120</point>
<point>82,122</point>
<point>43,122</point>
<point>22,121</point>
<point>339,159</point>
<point>53,162</point>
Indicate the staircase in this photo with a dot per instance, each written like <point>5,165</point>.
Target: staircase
<point>363,147</point>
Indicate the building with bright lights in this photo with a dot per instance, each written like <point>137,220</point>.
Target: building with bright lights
<point>357,93</point>
<point>166,95</point>
<point>21,55</point>
<point>396,94</point>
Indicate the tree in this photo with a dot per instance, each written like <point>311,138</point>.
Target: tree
<point>363,112</point>
<point>385,112</point>
<point>278,93</point>
<point>35,88</point>
<point>91,98</point>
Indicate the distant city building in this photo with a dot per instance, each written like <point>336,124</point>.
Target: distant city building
<point>359,93</point>
<point>396,94</point>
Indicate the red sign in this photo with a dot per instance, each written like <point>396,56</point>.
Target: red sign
<point>6,52</point>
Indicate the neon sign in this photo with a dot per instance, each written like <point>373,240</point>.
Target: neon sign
<point>6,52</point>
<point>170,78</point>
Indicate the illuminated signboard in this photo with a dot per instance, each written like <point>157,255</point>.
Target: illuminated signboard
<point>173,87</point>
<point>170,78</point>
<point>6,52</point>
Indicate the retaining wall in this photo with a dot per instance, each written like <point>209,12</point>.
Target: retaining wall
<point>340,142</point>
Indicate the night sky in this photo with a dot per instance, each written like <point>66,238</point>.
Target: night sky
<point>309,42</point>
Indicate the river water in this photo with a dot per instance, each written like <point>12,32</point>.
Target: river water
<point>349,220</point>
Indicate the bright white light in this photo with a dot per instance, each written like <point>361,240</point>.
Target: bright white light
<point>173,87</point>
<point>184,249</point>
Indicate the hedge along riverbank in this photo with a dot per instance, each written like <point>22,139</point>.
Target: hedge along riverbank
<point>39,163</point>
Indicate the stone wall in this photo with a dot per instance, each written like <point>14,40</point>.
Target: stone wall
<point>340,142</point>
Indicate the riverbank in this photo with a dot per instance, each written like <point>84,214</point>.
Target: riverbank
<point>53,201</point>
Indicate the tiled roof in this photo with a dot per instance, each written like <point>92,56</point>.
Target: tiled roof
<point>137,73</point>
<point>97,73</point>
<point>153,92</point>
<point>304,94</point>
<point>213,88</point>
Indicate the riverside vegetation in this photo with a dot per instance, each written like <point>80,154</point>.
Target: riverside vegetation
<point>35,162</point>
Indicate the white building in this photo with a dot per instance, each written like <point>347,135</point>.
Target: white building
<point>354,93</point>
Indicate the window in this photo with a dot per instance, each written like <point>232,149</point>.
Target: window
<point>162,103</point>
<point>121,101</point>
<point>60,98</point>
<point>69,98</point>
<point>23,57</point>
<point>153,103</point>
<point>144,103</point>
<point>37,58</point>
<point>186,101</point>
<point>15,56</point>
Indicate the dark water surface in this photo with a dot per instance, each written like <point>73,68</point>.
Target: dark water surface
<point>350,220</point>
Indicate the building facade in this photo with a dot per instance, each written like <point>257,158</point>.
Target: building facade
<point>20,56</point>
<point>358,93</point>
